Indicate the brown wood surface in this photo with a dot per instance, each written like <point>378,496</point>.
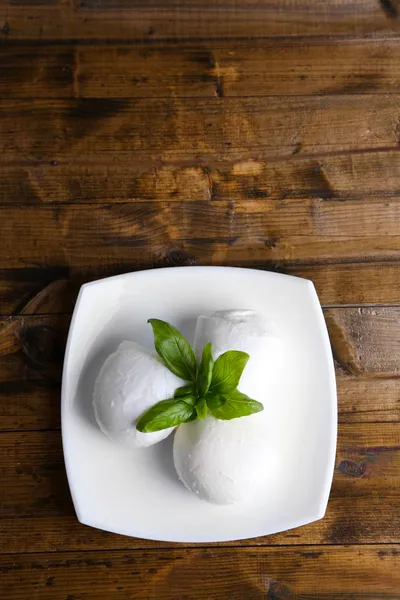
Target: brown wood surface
<point>344,176</point>
<point>194,130</point>
<point>195,20</point>
<point>230,573</point>
<point>150,133</point>
<point>281,67</point>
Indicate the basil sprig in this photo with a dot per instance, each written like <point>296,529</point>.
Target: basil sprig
<point>211,388</point>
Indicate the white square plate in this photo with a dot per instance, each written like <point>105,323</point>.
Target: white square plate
<point>137,493</point>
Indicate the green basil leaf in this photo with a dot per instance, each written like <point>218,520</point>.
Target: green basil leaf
<point>201,408</point>
<point>190,399</point>
<point>205,371</point>
<point>215,402</point>
<point>228,369</point>
<point>164,414</point>
<point>174,349</point>
<point>192,417</point>
<point>185,390</point>
<point>232,405</point>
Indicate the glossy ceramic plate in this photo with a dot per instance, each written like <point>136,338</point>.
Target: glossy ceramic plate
<point>137,493</point>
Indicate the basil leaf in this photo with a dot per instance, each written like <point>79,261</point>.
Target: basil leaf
<point>192,417</point>
<point>185,390</point>
<point>228,369</point>
<point>215,402</point>
<point>232,405</point>
<point>201,408</point>
<point>164,414</point>
<point>190,399</point>
<point>205,371</point>
<point>174,349</point>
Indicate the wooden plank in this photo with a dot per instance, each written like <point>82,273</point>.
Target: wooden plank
<point>284,67</point>
<point>337,244</point>
<point>175,21</point>
<point>91,183</point>
<point>358,283</point>
<point>36,72</point>
<point>314,231</point>
<point>291,68</point>
<point>363,399</point>
<point>366,573</point>
<point>287,6</point>
<point>359,176</point>
<point>353,331</point>
<point>37,514</point>
<point>28,289</point>
<point>365,345</point>
<point>368,454</point>
<point>181,131</point>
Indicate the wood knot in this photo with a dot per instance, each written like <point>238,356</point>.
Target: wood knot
<point>390,8</point>
<point>351,468</point>
<point>279,591</point>
<point>180,258</point>
<point>257,193</point>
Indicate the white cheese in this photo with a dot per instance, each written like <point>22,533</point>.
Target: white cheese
<point>230,461</point>
<point>130,381</point>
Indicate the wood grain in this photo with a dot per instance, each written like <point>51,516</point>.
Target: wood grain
<point>31,355</point>
<point>355,283</point>
<point>355,176</point>
<point>365,345</point>
<point>316,231</point>
<point>36,291</point>
<point>232,574</point>
<point>291,236</point>
<point>283,67</point>
<point>183,130</point>
<point>368,399</point>
<point>33,290</point>
<point>37,514</point>
<point>194,20</point>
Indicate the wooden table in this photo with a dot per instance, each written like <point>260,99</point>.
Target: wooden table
<point>145,133</point>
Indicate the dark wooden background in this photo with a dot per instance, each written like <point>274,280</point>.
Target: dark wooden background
<point>137,134</point>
